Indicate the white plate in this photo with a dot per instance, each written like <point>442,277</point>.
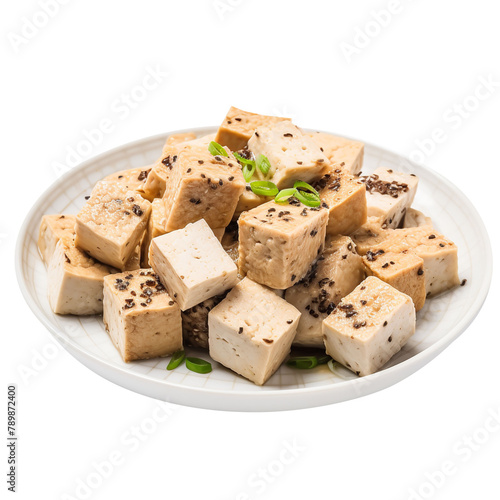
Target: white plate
<point>440,322</point>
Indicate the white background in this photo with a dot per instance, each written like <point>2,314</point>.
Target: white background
<point>280,56</point>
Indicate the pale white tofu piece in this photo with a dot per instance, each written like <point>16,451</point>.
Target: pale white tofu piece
<point>369,326</point>
<point>238,126</point>
<point>251,331</point>
<point>278,243</point>
<point>157,180</point>
<point>202,186</point>
<point>415,218</point>
<point>340,150</point>
<point>52,229</point>
<point>389,195</point>
<point>345,197</point>
<point>293,156</point>
<point>111,224</point>
<point>192,264</point>
<point>75,281</point>
<point>141,318</point>
<point>338,271</point>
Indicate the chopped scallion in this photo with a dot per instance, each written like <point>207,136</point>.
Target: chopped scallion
<point>198,365</point>
<point>177,359</point>
<point>264,188</point>
<point>216,149</point>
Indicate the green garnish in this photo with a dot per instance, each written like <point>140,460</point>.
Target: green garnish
<point>177,358</point>
<point>264,188</point>
<point>304,186</point>
<point>248,171</point>
<point>243,161</point>
<point>303,362</point>
<point>263,164</point>
<point>323,359</point>
<point>284,195</point>
<point>198,365</point>
<point>308,199</point>
<point>216,149</point>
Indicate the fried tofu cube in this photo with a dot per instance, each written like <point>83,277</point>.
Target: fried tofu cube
<point>75,281</point>
<point>141,318</point>
<point>369,326</point>
<point>202,186</point>
<point>338,271</point>
<point>156,227</point>
<point>132,179</point>
<point>345,196</point>
<point>389,195</point>
<point>111,224</point>
<point>192,264</point>
<point>251,331</point>
<point>340,150</point>
<point>402,270</point>
<point>278,243</point>
<point>52,229</point>
<point>156,183</point>
<point>238,126</point>
<point>293,156</point>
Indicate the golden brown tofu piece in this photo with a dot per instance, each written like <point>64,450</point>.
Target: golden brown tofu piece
<point>52,229</point>
<point>141,318</point>
<point>340,150</point>
<point>278,243</point>
<point>202,186</point>
<point>111,224</point>
<point>402,270</point>
<point>345,196</point>
<point>238,126</point>
<point>156,227</point>
<point>132,179</point>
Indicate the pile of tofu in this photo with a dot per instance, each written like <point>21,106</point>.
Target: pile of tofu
<point>184,253</point>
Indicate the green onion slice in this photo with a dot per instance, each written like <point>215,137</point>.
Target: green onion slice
<point>198,365</point>
<point>215,149</point>
<point>308,199</point>
<point>263,164</point>
<point>303,362</point>
<point>177,358</point>
<point>301,185</point>
<point>264,188</point>
<point>284,194</point>
<point>248,171</point>
<point>243,161</point>
<point>323,359</point>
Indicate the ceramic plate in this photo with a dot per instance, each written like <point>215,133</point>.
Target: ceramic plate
<point>440,322</point>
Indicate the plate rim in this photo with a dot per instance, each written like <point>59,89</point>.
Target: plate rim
<point>388,377</point>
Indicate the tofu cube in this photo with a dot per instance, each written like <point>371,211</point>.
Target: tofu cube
<point>345,196</point>
<point>278,243</point>
<point>141,318</point>
<point>132,179</point>
<point>195,322</point>
<point>251,331</point>
<point>156,227</point>
<point>340,150</point>
<point>75,281</point>
<point>238,126</point>
<point>157,180</point>
<point>248,200</point>
<point>402,270</point>
<point>111,224</point>
<point>440,255</point>
<point>389,195</point>
<point>192,264</point>
<point>338,271</point>
<point>52,229</point>
<point>369,326</point>
<point>292,155</point>
<point>415,218</point>
<point>202,186</point>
